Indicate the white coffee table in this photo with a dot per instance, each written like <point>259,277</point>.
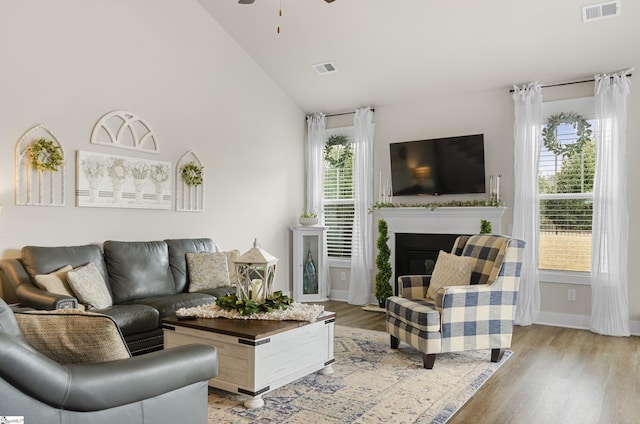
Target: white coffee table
<point>256,356</point>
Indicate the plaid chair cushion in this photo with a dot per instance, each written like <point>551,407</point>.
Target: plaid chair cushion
<point>420,314</point>
<point>488,250</point>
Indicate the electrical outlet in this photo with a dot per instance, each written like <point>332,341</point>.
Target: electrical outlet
<point>343,276</point>
<point>571,295</point>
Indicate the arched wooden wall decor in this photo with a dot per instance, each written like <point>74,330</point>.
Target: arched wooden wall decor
<point>40,187</point>
<point>125,130</point>
<point>189,183</point>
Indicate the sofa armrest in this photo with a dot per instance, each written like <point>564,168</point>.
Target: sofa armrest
<point>413,286</point>
<point>29,294</point>
<point>94,387</point>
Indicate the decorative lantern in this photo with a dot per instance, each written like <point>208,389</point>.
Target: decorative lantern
<point>256,270</point>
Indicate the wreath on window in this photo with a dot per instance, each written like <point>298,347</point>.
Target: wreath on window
<point>337,151</point>
<point>46,155</point>
<point>550,137</point>
<point>192,174</point>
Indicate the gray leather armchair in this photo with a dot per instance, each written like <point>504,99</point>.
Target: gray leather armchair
<point>167,386</point>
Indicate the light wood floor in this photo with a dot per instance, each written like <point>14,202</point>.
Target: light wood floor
<point>555,375</point>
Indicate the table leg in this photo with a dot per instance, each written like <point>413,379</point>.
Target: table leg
<point>254,402</point>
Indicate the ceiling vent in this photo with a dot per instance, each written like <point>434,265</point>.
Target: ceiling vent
<point>601,11</point>
<point>324,68</point>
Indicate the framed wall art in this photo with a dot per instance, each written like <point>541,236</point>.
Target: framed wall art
<point>110,181</point>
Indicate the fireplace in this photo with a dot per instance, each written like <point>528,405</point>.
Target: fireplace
<point>416,253</point>
<point>445,221</point>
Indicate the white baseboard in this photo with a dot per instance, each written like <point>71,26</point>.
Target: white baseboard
<point>581,322</point>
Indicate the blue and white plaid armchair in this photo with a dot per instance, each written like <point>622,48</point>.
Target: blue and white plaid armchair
<point>468,317</point>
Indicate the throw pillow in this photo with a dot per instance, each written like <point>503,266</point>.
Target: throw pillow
<point>56,282</point>
<point>232,255</point>
<point>89,286</point>
<point>450,270</point>
<point>207,270</point>
<point>73,337</point>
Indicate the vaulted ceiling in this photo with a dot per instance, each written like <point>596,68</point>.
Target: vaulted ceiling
<point>400,51</point>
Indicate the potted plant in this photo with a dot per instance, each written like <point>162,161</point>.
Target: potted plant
<point>383,288</point>
<point>485,227</point>
<point>308,217</point>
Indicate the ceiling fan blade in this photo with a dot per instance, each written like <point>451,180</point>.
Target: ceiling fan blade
<point>329,1</point>
<point>246,1</point>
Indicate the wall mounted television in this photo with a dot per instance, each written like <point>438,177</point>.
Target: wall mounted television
<point>452,165</point>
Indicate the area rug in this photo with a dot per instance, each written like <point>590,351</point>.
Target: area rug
<point>371,383</point>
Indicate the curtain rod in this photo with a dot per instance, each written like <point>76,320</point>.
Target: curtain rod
<point>345,113</point>
<point>571,82</point>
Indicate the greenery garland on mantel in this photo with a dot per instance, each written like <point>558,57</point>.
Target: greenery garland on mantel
<point>434,205</point>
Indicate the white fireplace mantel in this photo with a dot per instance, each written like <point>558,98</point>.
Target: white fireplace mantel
<point>442,220</point>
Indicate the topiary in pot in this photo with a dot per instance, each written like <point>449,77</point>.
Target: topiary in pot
<point>383,288</point>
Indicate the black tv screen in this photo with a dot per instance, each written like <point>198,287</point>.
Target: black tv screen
<point>452,165</point>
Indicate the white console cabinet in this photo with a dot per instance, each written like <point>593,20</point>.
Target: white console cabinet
<point>308,269</point>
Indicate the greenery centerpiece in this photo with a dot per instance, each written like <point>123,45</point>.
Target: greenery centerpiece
<point>276,301</point>
<point>383,287</point>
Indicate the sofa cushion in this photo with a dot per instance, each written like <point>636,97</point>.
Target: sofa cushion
<point>44,260</point>
<point>138,269</point>
<point>89,287</point>
<point>133,319</point>
<point>178,248</point>
<point>207,270</point>
<point>73,337</point>
<point>168,305</point>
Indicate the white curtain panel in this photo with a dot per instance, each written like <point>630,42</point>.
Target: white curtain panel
<point>361,246</point>
<point>609,278</point>
<point>315,182</point>
<point>527,102</point>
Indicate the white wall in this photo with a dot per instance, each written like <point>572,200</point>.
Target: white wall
<point>66,63</point>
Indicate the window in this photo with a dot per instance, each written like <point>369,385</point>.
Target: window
<point>339,204</point>
<point>565,177</point>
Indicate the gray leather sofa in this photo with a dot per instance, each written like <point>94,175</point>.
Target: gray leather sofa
<point>169,386</point>
<point>147,280</point>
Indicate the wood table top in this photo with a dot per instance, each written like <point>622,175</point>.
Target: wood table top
<point>252,329</point>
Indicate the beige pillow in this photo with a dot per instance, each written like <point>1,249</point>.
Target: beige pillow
<point>73,337</point>
<point>450,270</point>
<point>207,270</point>
<point>89,286</point>
<point>232,255</point>
<point>56,282</point>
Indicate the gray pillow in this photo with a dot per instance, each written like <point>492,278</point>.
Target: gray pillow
<point>89,286</point>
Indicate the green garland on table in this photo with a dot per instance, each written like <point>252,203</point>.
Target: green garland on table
<point>550,136</point>
<point>45,155</point>
<point>247,306</point>
<point>338,144</point>
<point>192,174</point>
